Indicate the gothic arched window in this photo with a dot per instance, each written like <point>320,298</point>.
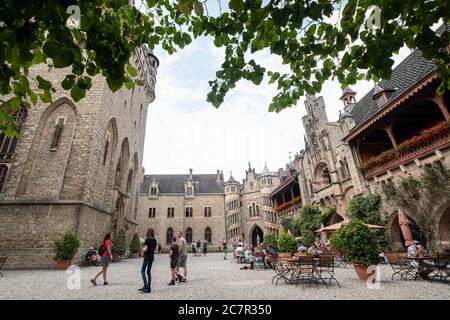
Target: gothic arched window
<point>188,234</point>
<point>208,234</point>
<point>169,235</point>
<point>8,146</point>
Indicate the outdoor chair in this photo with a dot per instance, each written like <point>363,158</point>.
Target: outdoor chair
<point>441,268</point>
<point>304,271</point>
<point>239,256</point>
<point>2,262</point>
<point>282,270</point>
<point>325,269</point>
<point>401,267</point>
<point>339,258</point>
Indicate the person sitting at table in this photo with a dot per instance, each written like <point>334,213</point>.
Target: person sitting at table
<point>249,258</point>
<point>412,249</point>
<point>239,252</point>
<point>268,251</point>
<point>301,248</point>
<point>316,247</point>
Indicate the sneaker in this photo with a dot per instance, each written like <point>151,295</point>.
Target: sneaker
<point>171,283</point>
<point>93,282</point>
<point>147,290</point>
<point>142,289</point>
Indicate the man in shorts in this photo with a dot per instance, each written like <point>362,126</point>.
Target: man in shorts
<point>182,256</point>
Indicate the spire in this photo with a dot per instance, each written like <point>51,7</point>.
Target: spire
<point>266,171</point>
<point>249,166</point>
<point>348,97</point>
<point>231,179</point>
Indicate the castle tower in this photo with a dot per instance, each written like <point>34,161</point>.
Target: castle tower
<point>233,216</point>
<point>349,99</point>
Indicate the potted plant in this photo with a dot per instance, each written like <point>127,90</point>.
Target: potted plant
<point>135,246</point>
<point>360,245</point>
<point>64,249</point>
<point>287,243</point>
<point>270,240</point>
<point>119,246</point>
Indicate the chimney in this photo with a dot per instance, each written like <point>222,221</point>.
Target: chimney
<point>218,175</point>
<point>190,174</point>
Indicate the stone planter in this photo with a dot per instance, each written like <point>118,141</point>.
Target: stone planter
<point>63,264</point>
<point>134,255</point>
<point>361,271</point>
<point>117,257</point>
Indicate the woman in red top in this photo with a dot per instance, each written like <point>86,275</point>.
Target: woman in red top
<point>106,256</point>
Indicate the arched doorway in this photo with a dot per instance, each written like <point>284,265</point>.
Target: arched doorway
<point>444,226</point>
<point>257,236</point>
<point>397,240</point>
<point>119,215</point>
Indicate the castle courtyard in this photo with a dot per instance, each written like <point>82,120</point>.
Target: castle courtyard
<point>209,277</point>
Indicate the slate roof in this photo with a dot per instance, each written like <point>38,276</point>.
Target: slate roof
<point>412,69</point>
<point>174,183</point>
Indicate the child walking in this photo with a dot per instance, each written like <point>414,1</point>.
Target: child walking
<point>173,255</point>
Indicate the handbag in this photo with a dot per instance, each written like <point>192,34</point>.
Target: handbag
<point>144,249</point>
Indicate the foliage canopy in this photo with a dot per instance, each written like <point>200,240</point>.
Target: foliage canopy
<point>314,46</point>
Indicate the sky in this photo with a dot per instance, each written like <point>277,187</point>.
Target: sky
<point>185,131</point>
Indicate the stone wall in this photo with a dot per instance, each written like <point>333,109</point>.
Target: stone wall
<point>198,223</point>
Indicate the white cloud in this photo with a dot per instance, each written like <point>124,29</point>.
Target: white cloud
<point>184,131</point>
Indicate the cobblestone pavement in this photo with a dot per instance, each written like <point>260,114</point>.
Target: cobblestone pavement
<point>209,277</point>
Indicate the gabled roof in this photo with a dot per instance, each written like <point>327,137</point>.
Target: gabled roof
<point>347,90</point>
<point>174,183</point>
<point>410,71</point>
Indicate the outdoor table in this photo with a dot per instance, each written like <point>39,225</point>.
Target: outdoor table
<point>421,264</point>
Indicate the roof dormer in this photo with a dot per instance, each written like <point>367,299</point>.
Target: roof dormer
<point>382,95</point>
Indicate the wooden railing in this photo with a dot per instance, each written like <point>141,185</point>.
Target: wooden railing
<point>288,204</point>
<point>399,159</point>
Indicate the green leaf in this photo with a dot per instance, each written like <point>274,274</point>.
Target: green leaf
<point>185,7</point>
<point>68,82</point>
<point>14,103</point>
<point>236,5</point>
<point>63,58</point>
<point>77,93</point>
<point>46,96</point>
<point>198,8</point>
<point>43,84</point>
<point>132,71</point>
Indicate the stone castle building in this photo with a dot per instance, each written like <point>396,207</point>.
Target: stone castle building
<point>192,203</point>
<point>249,209</point>
<point>379,140</point>
<point>76,166</point>
<point>327,173</point>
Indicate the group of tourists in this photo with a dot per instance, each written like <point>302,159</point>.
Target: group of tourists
<point>200,248</point>
<point>248,254</point>
<point>177,256</point>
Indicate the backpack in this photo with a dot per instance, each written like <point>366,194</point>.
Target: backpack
<point>101,249</point>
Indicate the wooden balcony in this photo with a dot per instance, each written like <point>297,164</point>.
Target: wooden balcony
<point>417,152</point>
<point>289,204</point>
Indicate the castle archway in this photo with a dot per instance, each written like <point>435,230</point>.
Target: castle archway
<point>119,215</point>
<point>256,235</point>
<point>395,233</point>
